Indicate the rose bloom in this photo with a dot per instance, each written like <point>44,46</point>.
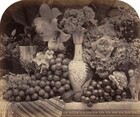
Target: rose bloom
<point>103,47</point>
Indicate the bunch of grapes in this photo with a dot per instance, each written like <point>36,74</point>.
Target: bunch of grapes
<point>102,91</point>
<point>58,74</point>
<point>45,85</point>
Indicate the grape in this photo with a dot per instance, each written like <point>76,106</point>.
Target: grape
<point>93,99</point>
<point>68,96</point>
<point>43,78</point>
<point>88,93</point>
<point>50,78</point>
<point>58,72</point>
<point>65,68</point>
<point>52,61</point>
<point>35,96</point>
<point>63,81</point>
<point>33,84</point>
<point>65,74</point>
<point>15,92</point>
<point>98,86</point>
<point>56,78</point>
<point>24,87</point>
<point>58,60</point>
<point>93,83</point>
<point>95,92</point>
<point>42,84</point>
<point>89,104</point>
<point>118,91</point>
<point>9,93</point>
<point>101,99</point>
<point>49,73</point>
<point>107,88</point>
<point>44,72</point>
<point>48,83</point>
<point>100,92</point>
<point>47,88</point>
<point>46,96</point>
<point>118,98</point>
<point>37,88</point>
<point>53,67</point>
<point>65,61</point>
<point>61,90</point>
<point>58,84</point>
<point>124,95</point>
<point>82,98</point>
<point>58,66</point>
<point>18,99</point>
<point>54,90</point>
<point>90,88</point>
<point>87,99</point>
<point>41,92</point>
<point>106,82</point>
<point>67,87</point>
<point>21,93</point>
<point>52,83</point>
<point>61,56</point>
<point>31,91</point>
<point>11,98</point>
<point>38,76</point>
<point>28,98</point>
<point>52,94</point>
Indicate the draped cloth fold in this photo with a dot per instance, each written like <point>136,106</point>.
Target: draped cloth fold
<point>41,108</point>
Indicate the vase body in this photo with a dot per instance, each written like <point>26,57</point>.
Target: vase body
<point>77,67</point>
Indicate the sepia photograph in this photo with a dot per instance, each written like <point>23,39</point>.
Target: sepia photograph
<point>70,58</point>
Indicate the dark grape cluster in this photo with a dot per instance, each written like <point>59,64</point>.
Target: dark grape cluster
<point>102,91</point>
<point>45,85</point>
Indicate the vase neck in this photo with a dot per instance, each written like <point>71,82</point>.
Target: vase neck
<point>78,52</point>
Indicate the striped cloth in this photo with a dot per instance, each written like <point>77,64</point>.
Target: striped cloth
<point>41,108</point>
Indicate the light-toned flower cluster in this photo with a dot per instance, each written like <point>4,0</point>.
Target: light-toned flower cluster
<point>42,60</point>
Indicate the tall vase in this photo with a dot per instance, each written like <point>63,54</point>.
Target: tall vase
<point>77,67</point>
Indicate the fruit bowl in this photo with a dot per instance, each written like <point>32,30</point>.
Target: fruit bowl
<point>67,53</point>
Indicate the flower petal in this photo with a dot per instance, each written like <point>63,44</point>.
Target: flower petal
<point>53,45</point>
<point>61,46</point>
<point>63,36</point>
<point>45,12</point>
<point>55,13</point>
<point>54,25</point>
<point>43,26</point>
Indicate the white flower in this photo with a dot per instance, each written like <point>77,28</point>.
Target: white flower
<point>43,59</point>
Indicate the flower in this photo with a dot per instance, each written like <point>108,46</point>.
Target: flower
<point>46,25</point>
<point>55,36</point>
<point>39,59</point>
<point>119,78</point>
<point>103,47</point>
<point>49,54</point>
<point>43,59</point>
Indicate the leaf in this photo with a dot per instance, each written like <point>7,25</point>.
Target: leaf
<point>45,12</point>
<point>13,33</point>
<point>19,17</point>
<point>55,12</point>
<point>25,15</point>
